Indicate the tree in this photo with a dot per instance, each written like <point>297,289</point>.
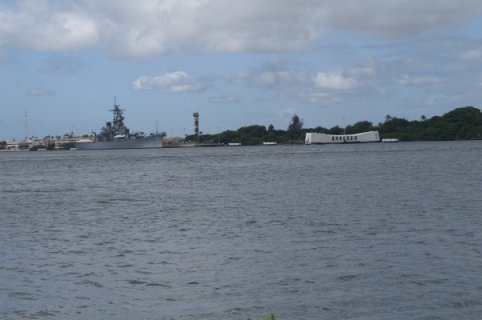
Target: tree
<point>336,130</point>
<point>464,115</point>
<point>361,126</point>
<point>295,128</point>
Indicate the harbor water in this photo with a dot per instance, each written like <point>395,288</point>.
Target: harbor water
<point>366,231</point>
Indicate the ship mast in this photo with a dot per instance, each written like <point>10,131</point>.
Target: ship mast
<point>118,119</point>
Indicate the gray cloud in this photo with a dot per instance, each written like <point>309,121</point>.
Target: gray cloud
<point>280,75</point>
<point>151,27</point>
<point>399,18</point>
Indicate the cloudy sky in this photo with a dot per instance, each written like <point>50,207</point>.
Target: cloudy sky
<point>235,62</point>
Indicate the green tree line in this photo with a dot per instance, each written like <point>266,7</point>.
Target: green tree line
<point>459,124</point>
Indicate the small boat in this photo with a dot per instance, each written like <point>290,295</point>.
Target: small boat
<point>390,140</point>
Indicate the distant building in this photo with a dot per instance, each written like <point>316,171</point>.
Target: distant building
<point>322,138</point>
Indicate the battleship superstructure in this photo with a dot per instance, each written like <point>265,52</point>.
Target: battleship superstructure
<point>115,135</point>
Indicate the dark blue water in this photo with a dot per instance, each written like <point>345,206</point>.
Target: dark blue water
<point>372,231</point>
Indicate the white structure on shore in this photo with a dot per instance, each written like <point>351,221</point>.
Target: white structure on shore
<point>321,138</point>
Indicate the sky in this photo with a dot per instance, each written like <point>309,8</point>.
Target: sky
<point>237,63</point>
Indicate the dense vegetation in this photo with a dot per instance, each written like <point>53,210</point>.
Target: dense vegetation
<point>459,124</point>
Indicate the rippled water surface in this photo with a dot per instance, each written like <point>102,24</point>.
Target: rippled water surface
<point>372,231</point>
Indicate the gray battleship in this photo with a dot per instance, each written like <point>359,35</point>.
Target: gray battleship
<point>115,135</point>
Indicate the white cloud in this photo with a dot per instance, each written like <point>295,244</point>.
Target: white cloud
<point>39,25</point>
<point>280,76</point>
<point>173,82</point>
<point>296,81</point>
<point>150,27</point>
<point>407,80</point>
<point>334,81</point>
<point>329,87</point>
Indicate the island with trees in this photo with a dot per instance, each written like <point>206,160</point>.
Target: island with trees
<point>459,124</point>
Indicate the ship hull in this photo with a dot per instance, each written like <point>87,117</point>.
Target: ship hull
<point>144,143</point>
